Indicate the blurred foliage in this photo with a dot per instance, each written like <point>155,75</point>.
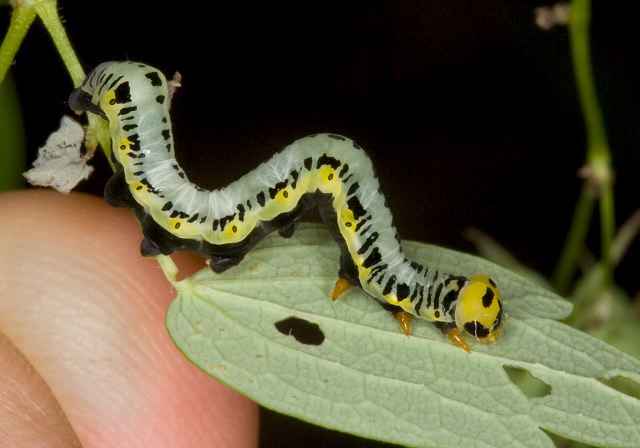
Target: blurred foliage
<point>12,141</point>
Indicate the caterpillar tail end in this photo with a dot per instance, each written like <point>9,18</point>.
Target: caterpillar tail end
<point>340,287</point>
<point>404,319</point>
<point>458,339</point>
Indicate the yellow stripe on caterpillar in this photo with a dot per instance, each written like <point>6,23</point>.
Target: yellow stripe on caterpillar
<point>325,170</point>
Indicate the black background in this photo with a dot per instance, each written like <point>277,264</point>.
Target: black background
<point>468,111</point>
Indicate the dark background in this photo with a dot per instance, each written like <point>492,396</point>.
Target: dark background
<point>468,111</point>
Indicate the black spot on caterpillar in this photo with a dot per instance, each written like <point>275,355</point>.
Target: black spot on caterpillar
<point>303,331</point>
<point>324,170</point>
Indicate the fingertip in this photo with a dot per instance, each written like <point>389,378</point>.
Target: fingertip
<point>29,413</point>
<point>91,319</point>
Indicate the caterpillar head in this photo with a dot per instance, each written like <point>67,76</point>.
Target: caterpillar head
<point>479,309</point>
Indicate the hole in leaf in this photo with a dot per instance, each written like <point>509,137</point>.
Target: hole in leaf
<point>303,331</point>
<point>623,385</point>
<point>529,385</point>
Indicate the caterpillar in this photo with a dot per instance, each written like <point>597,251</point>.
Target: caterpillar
<point>325,170</point>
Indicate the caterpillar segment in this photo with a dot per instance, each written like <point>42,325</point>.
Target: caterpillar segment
<point>327,171</point>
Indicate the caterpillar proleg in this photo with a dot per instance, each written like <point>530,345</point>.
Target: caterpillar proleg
<point>325,170</point>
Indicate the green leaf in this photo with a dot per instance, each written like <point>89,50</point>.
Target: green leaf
<point>368,379</point>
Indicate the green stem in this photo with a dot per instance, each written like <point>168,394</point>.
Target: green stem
<point>608,229</point>
<point>169,268</point>
<point>21,20</point>
<point>567,264</point>
<point>581,55</point>
<point>24,13</point>
<point>598,152</point>
<point>598,157</point>
<point>48,13</point>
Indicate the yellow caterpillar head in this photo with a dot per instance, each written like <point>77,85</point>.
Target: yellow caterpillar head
<point>479,309</point>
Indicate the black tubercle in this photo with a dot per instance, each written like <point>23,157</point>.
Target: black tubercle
<point>222,256</point>
<point>148,248</point>
<point>288,230</point>
<point>80,101</point>
<point>157,240</point>
<point>116,191</point>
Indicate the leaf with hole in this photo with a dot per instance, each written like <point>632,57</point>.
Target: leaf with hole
<point>268,329</point>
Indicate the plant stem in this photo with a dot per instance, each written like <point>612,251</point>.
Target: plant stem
<point>574,243</point>
<point>169,268</point>
<point>21,19</point>
<point>607,228</point>
<point>599,177</point>
<point>48,13</point>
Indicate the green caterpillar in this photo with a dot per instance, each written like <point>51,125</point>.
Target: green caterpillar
<point>324,170</point>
